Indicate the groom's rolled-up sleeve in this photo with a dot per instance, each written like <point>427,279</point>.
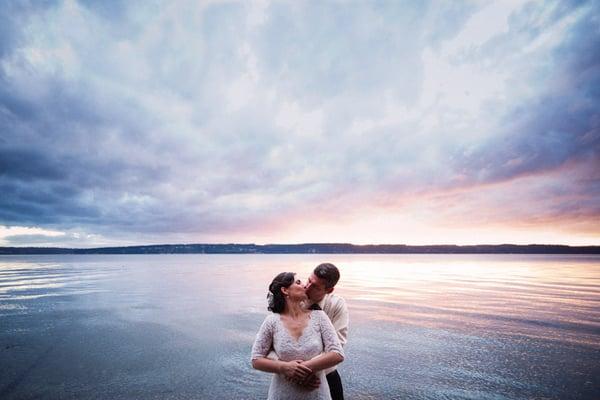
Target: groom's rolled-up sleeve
<point>340,319</point>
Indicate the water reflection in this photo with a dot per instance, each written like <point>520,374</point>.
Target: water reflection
<point>422,326</point>
<point>516,295</point>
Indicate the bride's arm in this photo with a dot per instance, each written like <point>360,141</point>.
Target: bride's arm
<point>334,354</point>
<point>324,361</point>
<point>291,369</point>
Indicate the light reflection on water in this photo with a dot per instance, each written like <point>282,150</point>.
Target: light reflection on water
<point>538,297</point>
<point>181,326</point>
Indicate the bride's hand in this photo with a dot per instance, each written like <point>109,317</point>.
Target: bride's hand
<point>295,370</point>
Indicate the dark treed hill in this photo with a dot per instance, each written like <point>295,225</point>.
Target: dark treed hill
<point>311,248</point>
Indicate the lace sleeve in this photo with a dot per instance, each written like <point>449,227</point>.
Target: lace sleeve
<point>264,339</point>
<point>331,342</point>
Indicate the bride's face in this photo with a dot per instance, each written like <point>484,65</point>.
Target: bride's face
<point>296,290</point>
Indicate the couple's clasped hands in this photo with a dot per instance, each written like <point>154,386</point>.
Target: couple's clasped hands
<point>295,371</point>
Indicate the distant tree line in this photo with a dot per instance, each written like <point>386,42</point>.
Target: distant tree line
<point>310,248</point>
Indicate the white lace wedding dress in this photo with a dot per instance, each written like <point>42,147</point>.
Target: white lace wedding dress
<point>319,336</point>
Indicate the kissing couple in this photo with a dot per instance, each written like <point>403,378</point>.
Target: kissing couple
<point>301,341</point>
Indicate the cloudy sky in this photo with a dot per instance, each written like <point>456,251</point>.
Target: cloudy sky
<point>138,122</point>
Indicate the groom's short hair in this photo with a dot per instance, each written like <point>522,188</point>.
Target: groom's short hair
<point>329,273</point>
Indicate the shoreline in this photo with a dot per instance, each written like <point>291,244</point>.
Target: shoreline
<point>308,248</point>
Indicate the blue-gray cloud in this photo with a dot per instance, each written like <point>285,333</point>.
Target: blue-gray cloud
<point>560,122</point>
<point>159,118</point>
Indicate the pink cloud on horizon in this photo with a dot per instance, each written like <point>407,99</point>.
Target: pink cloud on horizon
<point>551,206</point>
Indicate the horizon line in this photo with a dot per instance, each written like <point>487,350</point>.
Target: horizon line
<point>305,244</point>
<point>306,248</point>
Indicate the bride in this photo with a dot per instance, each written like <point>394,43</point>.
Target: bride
<point>304,340</point>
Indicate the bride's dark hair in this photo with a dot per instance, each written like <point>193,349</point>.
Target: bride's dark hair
<point>275,297</point>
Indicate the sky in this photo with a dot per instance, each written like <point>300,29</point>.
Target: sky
<point>415,122</point>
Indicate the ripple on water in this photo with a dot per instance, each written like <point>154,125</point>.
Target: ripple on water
<point>421,327</point>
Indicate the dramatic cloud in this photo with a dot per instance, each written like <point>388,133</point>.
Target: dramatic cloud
<point>414,122</point>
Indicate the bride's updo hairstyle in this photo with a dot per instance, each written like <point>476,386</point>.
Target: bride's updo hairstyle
<point>275,297</point>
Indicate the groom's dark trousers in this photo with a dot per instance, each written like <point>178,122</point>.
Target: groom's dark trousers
<point>335,385</point>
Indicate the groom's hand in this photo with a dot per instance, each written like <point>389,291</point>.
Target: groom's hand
<point>311,382</point>
<point>295,370</point>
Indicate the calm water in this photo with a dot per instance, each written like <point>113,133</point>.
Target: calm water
<point>181,326</point>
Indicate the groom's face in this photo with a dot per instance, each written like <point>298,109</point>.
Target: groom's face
<point>315,288</point>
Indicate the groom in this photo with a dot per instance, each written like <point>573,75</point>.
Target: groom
<point>319,288</point>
